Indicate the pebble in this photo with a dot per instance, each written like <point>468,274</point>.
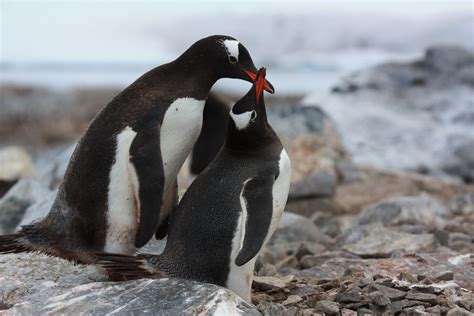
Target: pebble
<point>348,297</point>
<point>444,276</point>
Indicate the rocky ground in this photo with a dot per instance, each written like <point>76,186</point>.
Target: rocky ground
<point>354,240</point>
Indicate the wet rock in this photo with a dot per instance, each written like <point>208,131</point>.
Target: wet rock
<point>13,205</point>
<point>317,184</point>
<point>376,241</point>
<point>328,307</point>
<point>410,210</point>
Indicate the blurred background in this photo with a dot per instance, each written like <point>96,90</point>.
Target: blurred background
<point>61,61</point>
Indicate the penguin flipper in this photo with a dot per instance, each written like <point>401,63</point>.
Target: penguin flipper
<point>170,202</point>
<point>145,157</point>
<point>258,195</point>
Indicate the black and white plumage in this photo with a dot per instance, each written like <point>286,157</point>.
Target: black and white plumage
<point>126,162</point>
<point>228,213</point>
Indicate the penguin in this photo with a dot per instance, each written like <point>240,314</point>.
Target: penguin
<point>228,213</point>
<point>127,161</point>
<point>212,137</point>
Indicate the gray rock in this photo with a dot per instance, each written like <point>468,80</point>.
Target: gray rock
<point>163,296</point>
<point>379,299</point>
<point>37,284</point>
<point>38,210</point>
<point>294,121</point>
<point>327,307</point>
<point>462,204</point>
<point>390,293</point>
<point>423,297</point>
<point>444,276</point>
<point>52,164</point>
<point>348,297</point>
<point>14,204</point>
<point>270,309</point>
<point>294,227</point>
<point>458,311</point>
<point>15,163</point>
<point>317,184</point>
<point>421,210</point>
<point>309,261</point>
<point>412,115</point>
<point>378,241</point>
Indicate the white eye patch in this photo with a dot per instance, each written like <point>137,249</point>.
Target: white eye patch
<point>232,48</point>
<point>243,120</point>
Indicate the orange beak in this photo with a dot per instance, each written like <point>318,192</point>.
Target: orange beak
<point>267,85</point>
<point>260,82</point>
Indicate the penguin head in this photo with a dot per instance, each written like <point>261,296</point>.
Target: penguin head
<point>227,57</point>
<point>248,125</point>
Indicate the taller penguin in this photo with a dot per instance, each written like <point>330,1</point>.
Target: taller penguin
<point>129,157</point>
<point>228,213</point>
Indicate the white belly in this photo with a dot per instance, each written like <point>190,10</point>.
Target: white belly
<point>179,131</point>
<point>240,278</point>
<point>122,211</point>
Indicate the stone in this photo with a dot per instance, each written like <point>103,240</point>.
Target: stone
<point>458,311</point>
<point>265,283</point>
<point>15,163</point>
<point>294,227</point>
<point>398,211</point>
<point>444,276</point>
<point>267,270</point>
<point>423,297</point>
<point>270,308</point>
<point>462,204</point>
<point>14,204</point>
<point>379,299</point>
<point>38,284</point>
<point>292,299</point>
<point>377,241</point>
<point>348,297</point>
<point>309,261</point>
<point>317,184</point>
<point>328,307</point>
<point>38,209</point>
<point>348,312</point>
<point>390,293</point>
<point>403,109</point>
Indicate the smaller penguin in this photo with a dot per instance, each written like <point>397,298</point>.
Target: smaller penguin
<point>228,213</point>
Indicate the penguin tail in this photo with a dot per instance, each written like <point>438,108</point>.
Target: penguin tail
<point>122,267</point>
<point>22,241</point>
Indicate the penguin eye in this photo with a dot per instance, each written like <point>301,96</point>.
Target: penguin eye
<point>253,115</point>
<point>232,59</point>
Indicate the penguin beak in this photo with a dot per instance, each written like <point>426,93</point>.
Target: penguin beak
<point>260,83</point>
<point>267,85</point>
